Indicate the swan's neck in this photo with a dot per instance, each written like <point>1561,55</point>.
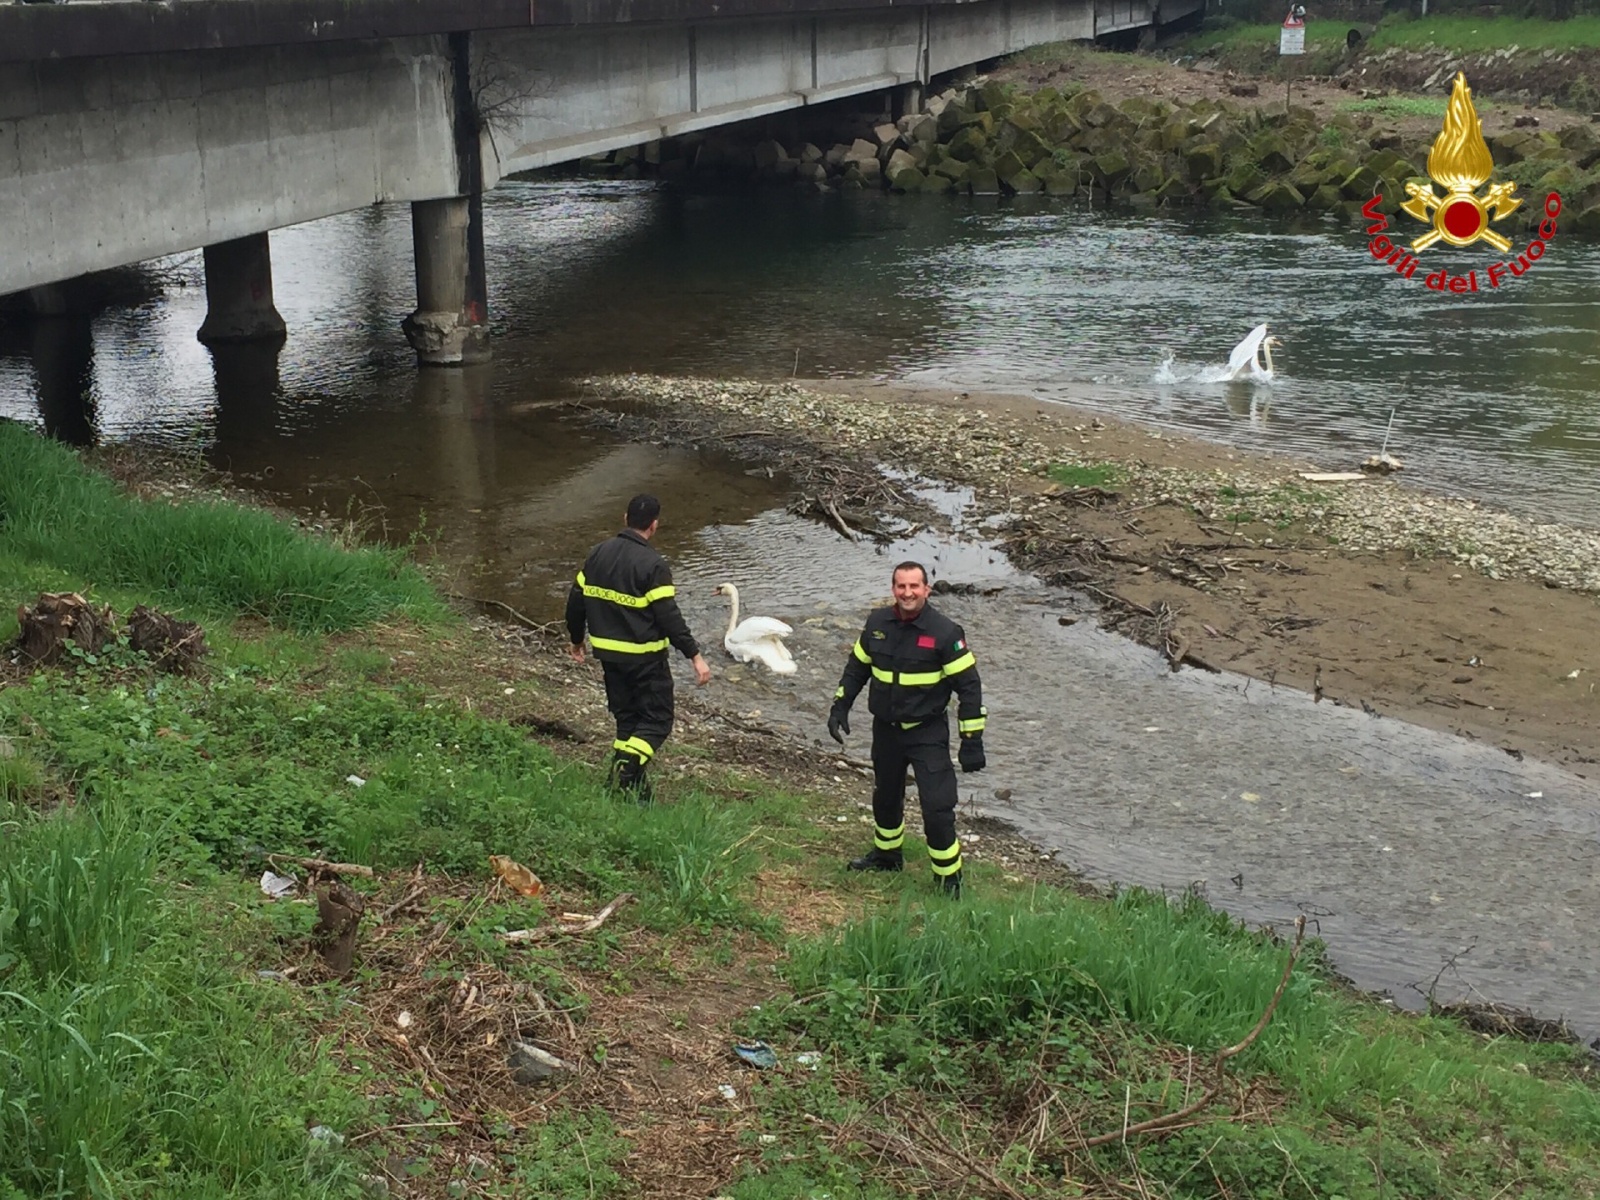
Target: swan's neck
<point>1266,349</point>
<point>733,613</point>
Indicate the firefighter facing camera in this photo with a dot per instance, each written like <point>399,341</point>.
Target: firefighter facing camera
<point>625,600</point>
<point>913,659</point>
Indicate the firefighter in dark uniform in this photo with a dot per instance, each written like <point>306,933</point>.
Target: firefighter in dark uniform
<point>625,598</point>
<point>915,659</point>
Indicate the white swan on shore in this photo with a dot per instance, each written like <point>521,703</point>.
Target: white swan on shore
<point>756,638</point>
<point>1246,360</point>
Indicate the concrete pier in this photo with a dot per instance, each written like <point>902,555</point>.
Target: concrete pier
<point>448,327</point>
<point>239,305</point>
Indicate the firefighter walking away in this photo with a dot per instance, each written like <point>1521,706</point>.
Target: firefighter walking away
<point>624,598</point>
<point>913,659</point>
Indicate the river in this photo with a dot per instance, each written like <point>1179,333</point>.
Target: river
<point>1410,849</point>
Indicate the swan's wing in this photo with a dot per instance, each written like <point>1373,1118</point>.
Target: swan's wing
<point>1244,354</point>
<point>760,627</point>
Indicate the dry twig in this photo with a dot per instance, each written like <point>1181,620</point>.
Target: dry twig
<point>1167,1121</point>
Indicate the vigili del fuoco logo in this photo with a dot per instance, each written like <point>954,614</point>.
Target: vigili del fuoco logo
<point>1460,163</point>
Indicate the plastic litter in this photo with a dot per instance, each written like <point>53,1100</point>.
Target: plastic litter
<point>757,1054</point>
<point>276,887</point>
<point>727,1091</point>
<point>517,877</point>
<point>355,781</point>
<point>809,1058</point>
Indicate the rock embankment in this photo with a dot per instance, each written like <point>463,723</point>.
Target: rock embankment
<point>996,139</point>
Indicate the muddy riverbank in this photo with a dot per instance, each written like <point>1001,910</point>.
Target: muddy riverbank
<point>1365,593</point>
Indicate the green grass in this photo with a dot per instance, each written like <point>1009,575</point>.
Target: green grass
<point>1455,33</point>
<point>1409,106</point>
<point>1051,1000</point>
<point>1477,34</point>
<point>135,1059</point>
<point>1082,475</point>
<point>64,526</point>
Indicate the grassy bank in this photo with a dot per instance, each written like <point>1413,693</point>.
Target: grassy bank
<point>167,1030</point>
<point>1454,33</point>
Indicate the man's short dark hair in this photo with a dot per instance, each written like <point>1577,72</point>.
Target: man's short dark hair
<point>908,565</point>
<point>643,509</point>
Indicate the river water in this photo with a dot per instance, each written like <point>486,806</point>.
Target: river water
<point>1410,849</point>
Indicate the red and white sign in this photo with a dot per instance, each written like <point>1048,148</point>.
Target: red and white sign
<point>1292,38</point>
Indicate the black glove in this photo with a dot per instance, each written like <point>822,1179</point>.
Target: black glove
<point>838,723</point>
<point>971,754</point>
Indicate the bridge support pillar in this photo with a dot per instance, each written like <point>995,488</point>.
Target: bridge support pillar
<point>239,304</point>
<point>449,326</point>
<point>907,100</point>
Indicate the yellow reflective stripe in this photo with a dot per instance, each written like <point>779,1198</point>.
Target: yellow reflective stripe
<point>973,725</point>
<point>958,665</point>
<point>641,748</point>
<point>838,692</point>
<point>622,598</point>
<point>860,653</point>
<point>888,839</point>
<point>909,724</point>
<point>660,593</point>
<point>619,744</point>
<point>908,678</point>
<point>600,643</point>
<point>947,861</point>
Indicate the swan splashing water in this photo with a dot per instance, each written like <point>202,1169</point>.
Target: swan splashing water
<point>758,639</point>
<point>1246,360</point>
<point>1250,362</point>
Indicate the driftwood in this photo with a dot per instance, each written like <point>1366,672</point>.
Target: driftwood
<point>57,618</point>
<point>172,645</point>
<point>1502,1020</point>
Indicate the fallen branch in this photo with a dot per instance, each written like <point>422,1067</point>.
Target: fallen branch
<point>837,521</point>
<point>322,865</point>
<point>588,926</point>
<point>542,627</point>
<point>413,894</point>
<point>1166,1121</point>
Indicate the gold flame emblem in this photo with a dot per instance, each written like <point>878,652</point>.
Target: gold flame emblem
<point>1460,163</point>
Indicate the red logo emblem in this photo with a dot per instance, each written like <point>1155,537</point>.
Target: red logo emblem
<point>926,643</point>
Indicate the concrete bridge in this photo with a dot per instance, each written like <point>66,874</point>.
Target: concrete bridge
<point>132,130</point>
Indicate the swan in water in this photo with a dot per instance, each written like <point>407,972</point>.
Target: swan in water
<point>1246,360</point>
<point>756,637</point>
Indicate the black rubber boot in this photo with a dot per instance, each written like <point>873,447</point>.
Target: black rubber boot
<point>633,781</point>
<point>950,885</point>
<point>878,860</point>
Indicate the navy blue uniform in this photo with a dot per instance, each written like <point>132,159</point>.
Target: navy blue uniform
<point>912,669</point>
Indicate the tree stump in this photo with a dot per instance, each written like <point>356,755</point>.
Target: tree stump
<point>339,910</point>
<point>172,645</point>
<point>57,618</point>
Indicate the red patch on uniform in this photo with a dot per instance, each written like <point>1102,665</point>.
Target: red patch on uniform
<point>926,643</point>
